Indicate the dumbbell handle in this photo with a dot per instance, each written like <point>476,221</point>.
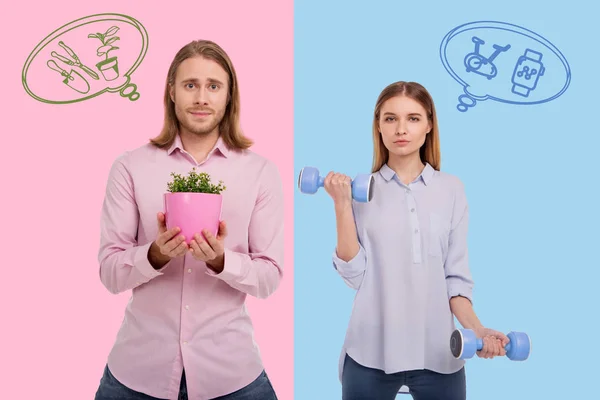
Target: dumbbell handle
<point>480,345</point>
<point>321,182</point>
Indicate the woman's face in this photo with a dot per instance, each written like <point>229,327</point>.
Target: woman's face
<point>404,125</point>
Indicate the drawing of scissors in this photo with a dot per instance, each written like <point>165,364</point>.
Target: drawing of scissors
<point>76,63</point>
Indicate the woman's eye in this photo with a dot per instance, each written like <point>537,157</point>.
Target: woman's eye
<point>389,119</point>
<point>189,85</point>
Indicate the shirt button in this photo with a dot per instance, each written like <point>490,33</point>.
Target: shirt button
<point>416,231</point>
<point>189,271</point>
<point>185,342</point>
<point>412,210</point>
<point>187,307</point>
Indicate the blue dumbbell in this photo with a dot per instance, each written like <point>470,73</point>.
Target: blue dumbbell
<point>464,344</point>
<point>309,182</point>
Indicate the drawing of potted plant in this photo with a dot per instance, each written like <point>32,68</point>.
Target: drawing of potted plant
<point>109,66</point>
<point>193,204</point>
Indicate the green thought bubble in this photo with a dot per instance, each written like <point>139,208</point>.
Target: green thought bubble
<point>85,58</point>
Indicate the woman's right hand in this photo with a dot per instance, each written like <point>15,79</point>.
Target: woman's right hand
<point>339,187</point>
<point>494,342</point>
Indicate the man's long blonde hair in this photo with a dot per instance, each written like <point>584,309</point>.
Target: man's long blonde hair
<point>229,127</point>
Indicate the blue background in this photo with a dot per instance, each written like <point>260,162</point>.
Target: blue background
<point>531,176</point>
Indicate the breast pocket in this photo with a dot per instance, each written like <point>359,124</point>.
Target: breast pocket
<point>438,235</point>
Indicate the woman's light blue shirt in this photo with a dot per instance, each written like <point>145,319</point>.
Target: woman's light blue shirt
<point>412,259</point>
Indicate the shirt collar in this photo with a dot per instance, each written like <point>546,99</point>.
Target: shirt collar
<point>175,145</point>
<point>387,173</point>
<point>220,145</point>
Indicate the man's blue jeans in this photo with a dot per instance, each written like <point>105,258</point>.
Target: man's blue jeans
<point>111,389</point>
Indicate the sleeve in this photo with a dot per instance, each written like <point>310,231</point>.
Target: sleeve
<point>352,271</point>
<point>123,264</point>
<point>259,272</point>
<point>456,266</point>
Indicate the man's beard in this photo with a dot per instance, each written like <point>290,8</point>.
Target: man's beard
<point>199,130</point>
<point>182,116</point>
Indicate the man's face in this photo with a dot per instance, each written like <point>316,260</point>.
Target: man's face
<point>200,94</point>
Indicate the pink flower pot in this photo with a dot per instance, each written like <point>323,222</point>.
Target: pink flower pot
<point>193,212</point>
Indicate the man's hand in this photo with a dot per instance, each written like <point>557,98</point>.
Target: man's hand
<point>166,246</point>
<point>210,250</point>
<point>493,343</point>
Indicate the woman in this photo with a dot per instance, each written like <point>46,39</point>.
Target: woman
<point>406,254</point>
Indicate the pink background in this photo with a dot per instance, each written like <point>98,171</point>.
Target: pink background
<point>59,322</point>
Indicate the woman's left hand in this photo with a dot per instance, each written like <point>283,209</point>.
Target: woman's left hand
<point>493,343</point>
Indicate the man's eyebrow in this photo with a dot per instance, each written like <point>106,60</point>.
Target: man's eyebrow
<point>213,80</point>
<point>210,80</point>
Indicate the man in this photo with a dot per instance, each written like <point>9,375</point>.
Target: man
<point>186,332</point>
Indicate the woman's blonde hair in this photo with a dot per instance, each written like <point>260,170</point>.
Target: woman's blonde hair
<point>430,151</point>
<point>229,127</point>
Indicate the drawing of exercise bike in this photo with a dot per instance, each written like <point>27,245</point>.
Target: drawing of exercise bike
<point>481,65</point>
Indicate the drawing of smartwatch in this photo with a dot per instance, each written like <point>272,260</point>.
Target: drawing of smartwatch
<point>527,72</point>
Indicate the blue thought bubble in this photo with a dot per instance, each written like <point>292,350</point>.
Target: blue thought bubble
<point>503,62</point>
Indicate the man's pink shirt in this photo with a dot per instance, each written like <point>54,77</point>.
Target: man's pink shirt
<point>185,315</point>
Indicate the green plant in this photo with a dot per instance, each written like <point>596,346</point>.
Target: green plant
<point>194,183</point>
<point>106,43</point>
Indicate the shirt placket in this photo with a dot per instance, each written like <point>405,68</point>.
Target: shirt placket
<point>413,219</point>
<point>186,331</point>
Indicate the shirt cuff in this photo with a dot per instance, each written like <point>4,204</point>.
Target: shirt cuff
<point>459,290</point>
<point>141,263</point>
<point>232,267</point>
<point>353,267</point>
